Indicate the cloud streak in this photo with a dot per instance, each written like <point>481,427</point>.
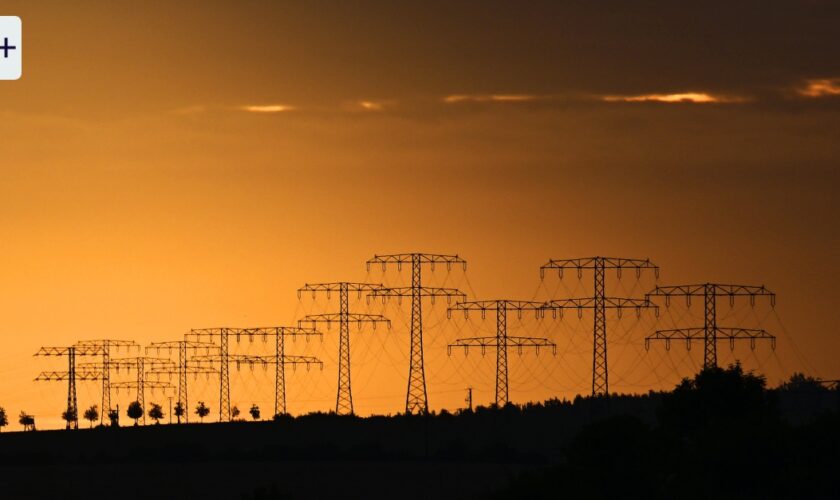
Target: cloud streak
<point>821,87</point>
<point>680,97</point>
<point>266,108</point>
<point>458,98</point>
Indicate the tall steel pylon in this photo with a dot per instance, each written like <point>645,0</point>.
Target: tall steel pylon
<point>501,341</point>
<point>140,365</point>
<point>106,346</point>
<point>710,333</point>
<point>71,376</point>
<point>344,395</point>
<point>184,368</point>
<point>279,360</point>
<point>599,302</point>
<point>416,400</point>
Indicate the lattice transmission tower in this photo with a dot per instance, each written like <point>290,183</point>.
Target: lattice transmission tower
<point>501,341</point>
<point>141,365</point>
<point>710,332</point>
<point>185,348</point>
<point>279,360</point>
<point>416,400</point>
<point>106,347</point>
<point>344,396</point>
<point>71,376</point>
<point>599,302</point>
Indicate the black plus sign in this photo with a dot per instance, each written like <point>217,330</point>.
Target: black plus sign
<point>6,47</point>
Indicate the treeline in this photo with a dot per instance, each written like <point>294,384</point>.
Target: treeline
<point>722,434</point>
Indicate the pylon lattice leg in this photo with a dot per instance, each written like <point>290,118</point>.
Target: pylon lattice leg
<point>182,379</point>
<point>344,397</point>
<point>141,386</point>
<point>279,374</point>
<point>224,377</point>
<point>416,401</point>
<point>501,356</point>
<point>72,407</point>
<point>710,328</point>
<point>600,383</point>
<point>106,383</point>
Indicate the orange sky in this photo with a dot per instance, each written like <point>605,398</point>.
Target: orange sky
<point>163,168</point>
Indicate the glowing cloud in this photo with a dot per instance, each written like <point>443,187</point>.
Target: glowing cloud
<point>451,99</point>
<point>683,97</point>
<point>820,87</point>
<point>267,108</point>
<point>371,105</point>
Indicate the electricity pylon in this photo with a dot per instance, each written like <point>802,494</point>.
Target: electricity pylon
<point>139,364</point>
<point>344,396</point>
<point>599,302</point>
<point>501,341</point>
<point>71,375</point>
<point>253,360</point>
<point>416,400</point>
<point>279,333</point>
<point>105,346</point>
<point>710,333</point>
<point>184,347</point>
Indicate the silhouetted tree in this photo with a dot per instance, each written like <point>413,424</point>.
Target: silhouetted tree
<point>70,416</point>
<point>27,421</point>
<point>234,412</point>
<point>255,412</point>
<point>717,398</point>
<point>202,410</point>
<point>156,413</point>
<point>4,419</point>
<point>799,382</point>
<point>91,414</point>
<point>179,411</point>
<point>135,411</point>
<point>114,417</point>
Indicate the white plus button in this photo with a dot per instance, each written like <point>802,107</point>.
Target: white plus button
<point>11,48</point>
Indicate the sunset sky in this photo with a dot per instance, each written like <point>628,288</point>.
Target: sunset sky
<point>175,165</point>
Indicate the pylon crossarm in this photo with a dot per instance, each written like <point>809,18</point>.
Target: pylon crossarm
<point>171,345</point>
<point>58,376</point>
<point>328,288</point>
<point>64,351</point>
<point>131,363</point>
<point>107,342</point>
<point>291,360</point>
<point>720,333</point>
<point>485,342</point>
<point>423,258</point>
<point>423,291</point>
<point>603,262</point>
<point>492,305</point>
<point>714,289</point>
<point>250,332</point>
<point>483,306</point>
<point>590,303</point>
<point>330,318</point>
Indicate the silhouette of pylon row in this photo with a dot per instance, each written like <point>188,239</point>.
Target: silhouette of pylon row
<point>207,350</point>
